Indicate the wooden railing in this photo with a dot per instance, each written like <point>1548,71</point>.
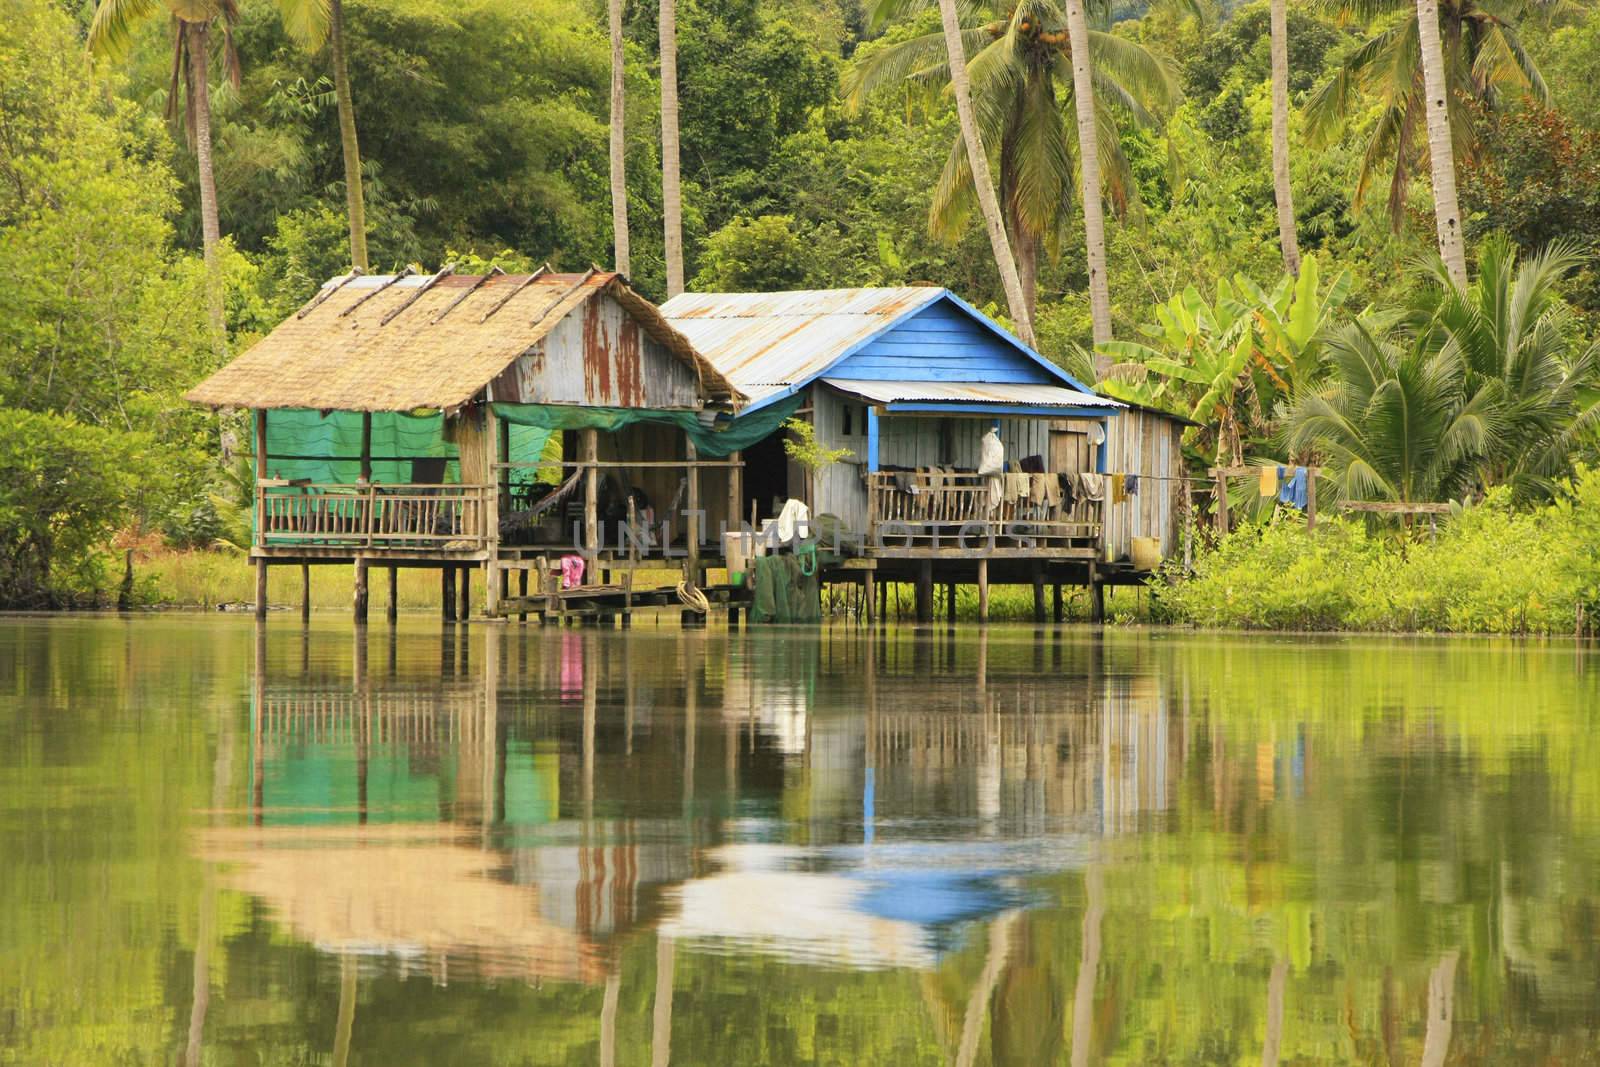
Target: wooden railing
<point>920,510</point>
<point>374,516</point>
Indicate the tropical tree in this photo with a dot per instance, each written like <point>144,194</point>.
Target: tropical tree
<point>1441,147</point>
<point>1424,67</point>
<point>1394,422</point>
<point>619,174</point>
<point>111,36</point>
<point>311,22</point>
<point>1230,364</point>
<point>977,161</point>
<point>1022,63</point>
<point>1094,221</point>
<point>671,187</point>
<point>1282,190</point>
<point>1514,333</point>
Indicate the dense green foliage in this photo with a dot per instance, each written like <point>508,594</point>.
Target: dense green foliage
<point>1491,568</point>
<point>483,131</point>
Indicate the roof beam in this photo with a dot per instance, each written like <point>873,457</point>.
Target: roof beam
<point>327,291</point>
<point>406,273</point>
<point>444,272</point>
<point>523,284</point>
<point>581,282</point>
<point>468,291</point>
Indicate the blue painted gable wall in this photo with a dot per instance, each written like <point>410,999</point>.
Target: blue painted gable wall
<point>940,343</point>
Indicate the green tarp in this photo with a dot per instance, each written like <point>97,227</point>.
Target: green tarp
<point>715,442</point>
<point>326,449</point>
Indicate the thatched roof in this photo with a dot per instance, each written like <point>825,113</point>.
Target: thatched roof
<point>400,342</point>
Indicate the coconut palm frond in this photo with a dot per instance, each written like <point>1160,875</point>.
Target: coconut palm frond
<point>306,21</point>
<point>111,31</point>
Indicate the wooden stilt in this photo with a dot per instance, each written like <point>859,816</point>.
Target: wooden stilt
<point>870,595</point>
<point>361,590</point>
<point>925,591</point>
<point>1038,594</point>
<point>590,442</point>
<point>392,611</point>
<point>261,589</point>
<point>1097,596</point>
<point>464,594</point>
<point>693,527</point>
<point>305,592</point>
<point>1060,605</point>
<point>950,601</point>
<point>522,592</point>
<point>447,592</point>
<point>1222,500</point>
<point>983,590</point>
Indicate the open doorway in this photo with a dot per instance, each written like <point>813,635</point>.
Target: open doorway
<point>766,477</point>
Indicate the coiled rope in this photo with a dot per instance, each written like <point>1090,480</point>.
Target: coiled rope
<point>693,599</point>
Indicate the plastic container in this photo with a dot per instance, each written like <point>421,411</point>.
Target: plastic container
<point>737,549</point>
<point>1145,553</point>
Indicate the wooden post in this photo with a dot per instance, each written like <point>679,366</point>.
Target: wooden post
<point>261,512</point>
<point>305,592</point>
<point>735,488</point>
<point>691,527</point>
<point>983,590</point>
<point>447,591</point>
<point>925,591</point>
<point>1222,500</point>
<point>366,447</point>
<point>950,602</point>
<point>1060,605</point>
<point>522,593</point>
<point>1038,593</point>
<point>1311,498</point>
<point>869,594</point>
<point>392,612</point>
<point>261,588</point>
<point>464,593</point>
<point>590,444</point>
<point>361,590</point>
<point>1097,595</point>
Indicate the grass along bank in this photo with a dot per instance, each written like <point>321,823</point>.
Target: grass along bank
<point>1489,569</point>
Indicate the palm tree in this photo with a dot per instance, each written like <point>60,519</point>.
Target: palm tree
<point>1441,148</point>
<point>1094,222</point>
<point>1395,421</point>
<point>1282,191</point>
<point>671,189</point>
<point>1022,61</point>
<point>619,175</point>
<point>111,36</point>
<point>310,22</point>
<point>1513,333</point>
<point>1423,70</point>
<point>978,168</point>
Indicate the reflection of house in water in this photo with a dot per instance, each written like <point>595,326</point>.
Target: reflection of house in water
<point>827,801</point>
<point>421,894</point>
<point>934,743</point>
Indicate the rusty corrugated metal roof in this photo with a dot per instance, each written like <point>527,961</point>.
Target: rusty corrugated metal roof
<point>768,343</point>
<point>1015,395</point>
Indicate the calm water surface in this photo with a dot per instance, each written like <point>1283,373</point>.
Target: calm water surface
<point>499,845</point>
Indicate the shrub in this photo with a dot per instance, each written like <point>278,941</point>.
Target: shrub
<point>64,489</point>
<point>1485,569</point>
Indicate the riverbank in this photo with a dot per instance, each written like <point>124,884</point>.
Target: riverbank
<point>1486,569</point>
<point>206,580</point>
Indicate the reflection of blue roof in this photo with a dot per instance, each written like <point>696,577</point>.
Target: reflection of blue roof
<point>934,898</point>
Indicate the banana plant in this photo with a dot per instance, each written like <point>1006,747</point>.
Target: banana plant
<point>1227,363</point>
